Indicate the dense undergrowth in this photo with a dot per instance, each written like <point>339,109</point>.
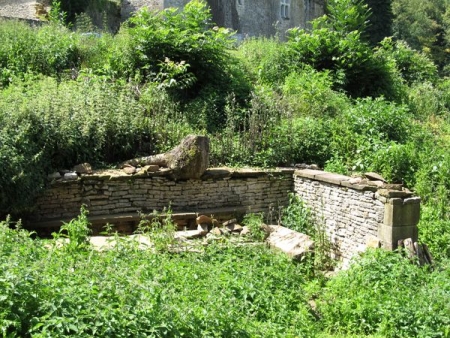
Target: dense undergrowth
<point>226,290</point>
<point>323,96</point>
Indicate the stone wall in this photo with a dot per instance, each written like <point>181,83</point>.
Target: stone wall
<point>131,6</point>
<point>111,193</point>
<point>22,9</point>
<point>355,213</point>
<point>247,17</point>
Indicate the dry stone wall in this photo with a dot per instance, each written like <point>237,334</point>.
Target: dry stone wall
<point>109,193</point>
<point>356,213</point>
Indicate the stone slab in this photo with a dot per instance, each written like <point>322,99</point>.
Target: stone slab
<point>308,173</point>
<point>331,178</point>
<point>292,243</point>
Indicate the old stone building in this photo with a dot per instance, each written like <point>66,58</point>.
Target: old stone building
<point>247,17</point>
<point>23,9</point>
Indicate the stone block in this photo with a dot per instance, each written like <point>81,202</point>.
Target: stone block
<point>398,215</point>
<point>390,235</point>
<point>331,178</point>
<point>360,187</point>
<point>293,243</point>
<point>412,200</point>
<point>307,173</point>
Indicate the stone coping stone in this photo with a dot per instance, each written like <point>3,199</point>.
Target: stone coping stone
<point>384,191</point>
<point>308,173</point>
<point>360,187</point>
<point>332,178</point>
<point>211,173</point>
<point>323,176</point>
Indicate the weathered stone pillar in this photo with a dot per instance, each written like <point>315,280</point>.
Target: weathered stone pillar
<point>401,216</point>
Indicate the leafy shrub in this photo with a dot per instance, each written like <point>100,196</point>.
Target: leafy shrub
<point>255,222</point>
<point>378,118</point>
<point>300,140</point>
<point>412,65</point>
<point>160,229</point>
<point>56,50</point>
<point>383,293</point>
<point>298,217</point>
<point>396,163</point>
<point>309,93</point>
<point>266,60</point>
<point>349,60</point>
<point>428,101</point>
<point>433,178</point>
<point>366,134</point>
<point>434,230</point>
<point>336,165</point>
<point>155,38</point>
<point>76,231</point>
<point>93,50</point>
<point>49,50</point>
<point>181,51</point>
<point>48,126</point>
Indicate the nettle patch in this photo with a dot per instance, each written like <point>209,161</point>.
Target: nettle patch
<point>55,288</point>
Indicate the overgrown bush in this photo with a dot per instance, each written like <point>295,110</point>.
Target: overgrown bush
<point>265,59</point>
<point>397,163</point>
<point>412,65</point>
<point>366,129</point>
<point>335,44</point>
<point>384,293</point>
<point>50,50</point>
<point>309,93</point>
<point>298,217</point>
<point>48,126</point>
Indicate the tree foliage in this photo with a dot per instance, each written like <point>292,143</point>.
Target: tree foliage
<point>380,20</point>
<point>424,25</point>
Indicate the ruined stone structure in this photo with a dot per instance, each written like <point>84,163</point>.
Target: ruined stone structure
<point>247,17</point>
<point>352,213</point>
<point>23,9</point>
<point>107,193</point>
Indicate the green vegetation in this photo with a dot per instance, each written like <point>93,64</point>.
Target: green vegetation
<point>335,95</point>
<point>55,288</point>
